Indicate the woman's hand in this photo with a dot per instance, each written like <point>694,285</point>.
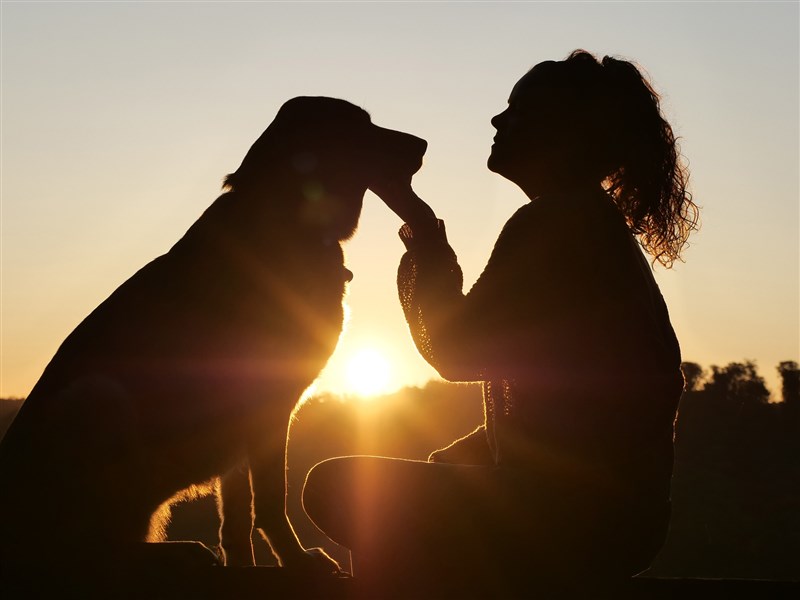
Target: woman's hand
<point>398,195</point>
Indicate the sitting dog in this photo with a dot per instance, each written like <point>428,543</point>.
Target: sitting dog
<point>191,368</point>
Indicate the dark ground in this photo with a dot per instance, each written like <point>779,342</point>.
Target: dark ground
<point>735,529</point>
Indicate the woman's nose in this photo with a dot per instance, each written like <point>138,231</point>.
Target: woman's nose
<point>497,120</point>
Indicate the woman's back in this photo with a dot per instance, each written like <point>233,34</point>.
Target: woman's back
<point>568,329</point>
<point>590,376</point>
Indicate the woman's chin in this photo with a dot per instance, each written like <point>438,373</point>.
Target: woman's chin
<point>498,164</point>
<point>494,162</point>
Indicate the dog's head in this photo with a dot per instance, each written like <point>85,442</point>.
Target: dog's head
<point>317,158</point>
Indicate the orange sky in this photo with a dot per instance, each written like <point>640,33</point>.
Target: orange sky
<point>119,121</point>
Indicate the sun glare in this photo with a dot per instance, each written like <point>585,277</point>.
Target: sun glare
<point>368,373</point>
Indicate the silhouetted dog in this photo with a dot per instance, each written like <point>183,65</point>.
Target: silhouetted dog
<point>193,366</point>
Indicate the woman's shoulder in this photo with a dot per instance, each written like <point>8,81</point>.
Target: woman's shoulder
<point>567,216</point>
<point>540,213</point>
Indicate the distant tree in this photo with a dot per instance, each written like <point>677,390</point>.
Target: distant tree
<point>738,383</point>
<point>693,375</point>
<point>790,378</point>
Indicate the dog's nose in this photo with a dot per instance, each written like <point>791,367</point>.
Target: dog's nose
<point>406,143</point>
<point>397,151</point>
<point>412,150</point>
<point>422,145</point>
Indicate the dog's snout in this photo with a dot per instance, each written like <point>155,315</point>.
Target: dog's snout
<point>422,145</point>
<point>398,152</point>
<point>414,144</point>
<point>417,151</point>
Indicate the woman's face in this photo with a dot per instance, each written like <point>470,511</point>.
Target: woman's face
<point>529,140</point>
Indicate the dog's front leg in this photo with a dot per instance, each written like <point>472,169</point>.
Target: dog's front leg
<point>267,460</point>
<point>235,505</point>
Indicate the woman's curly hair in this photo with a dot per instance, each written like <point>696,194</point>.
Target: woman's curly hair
<point>634,151</point>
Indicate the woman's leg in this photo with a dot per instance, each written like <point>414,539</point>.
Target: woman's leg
<point>401,516</point>
<point>409,519</point>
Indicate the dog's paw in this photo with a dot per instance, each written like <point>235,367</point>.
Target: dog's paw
<point>313,560</point>
<point>319,561</point>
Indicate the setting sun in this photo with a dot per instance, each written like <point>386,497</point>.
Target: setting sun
<point>368,373</point>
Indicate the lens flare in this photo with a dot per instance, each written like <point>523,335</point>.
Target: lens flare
<point>368,373</point>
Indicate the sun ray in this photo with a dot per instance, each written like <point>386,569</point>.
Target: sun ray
<point>368,373</point>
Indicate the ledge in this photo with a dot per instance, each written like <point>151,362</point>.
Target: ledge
<point>278,584</point>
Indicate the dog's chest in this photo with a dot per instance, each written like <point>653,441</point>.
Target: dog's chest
<point>296,299</point>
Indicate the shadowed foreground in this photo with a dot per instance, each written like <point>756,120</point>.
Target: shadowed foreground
<point>275,583</point>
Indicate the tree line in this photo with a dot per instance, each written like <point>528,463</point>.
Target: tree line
<point>736,483</point>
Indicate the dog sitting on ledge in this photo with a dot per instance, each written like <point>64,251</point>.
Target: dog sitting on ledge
<point>191,369</point>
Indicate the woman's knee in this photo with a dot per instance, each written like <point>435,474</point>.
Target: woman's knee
<point>348,496</point>
<point>326,498</point>
<point>317,487</point>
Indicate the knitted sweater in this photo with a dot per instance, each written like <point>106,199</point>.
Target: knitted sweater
<point>568,332</point>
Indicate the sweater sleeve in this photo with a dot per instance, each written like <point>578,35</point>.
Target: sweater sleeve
<point>429,284</point>
<point>463,336</point>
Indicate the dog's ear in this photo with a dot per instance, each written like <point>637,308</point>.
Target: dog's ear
<point>306,131</point>
<point>262,160</point>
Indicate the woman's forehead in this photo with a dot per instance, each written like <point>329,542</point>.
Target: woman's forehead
<point>536,78</point>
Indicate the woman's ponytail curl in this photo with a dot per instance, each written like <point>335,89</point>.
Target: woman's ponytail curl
<point>647,176</point>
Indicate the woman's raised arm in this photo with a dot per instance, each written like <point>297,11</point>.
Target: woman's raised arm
<point>463,336</point>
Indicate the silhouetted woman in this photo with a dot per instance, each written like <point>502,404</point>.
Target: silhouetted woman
<point>569,334</point>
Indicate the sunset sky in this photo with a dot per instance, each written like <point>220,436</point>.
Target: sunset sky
<point>120,119</point>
